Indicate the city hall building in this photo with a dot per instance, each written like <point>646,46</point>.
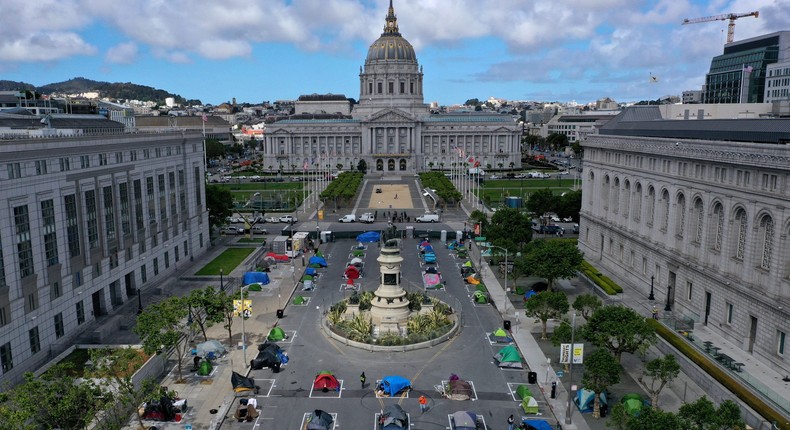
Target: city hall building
<point>391,128</point>
<point>89,214</point>
<point>699,209</point>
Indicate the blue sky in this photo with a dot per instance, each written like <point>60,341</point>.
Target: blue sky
<point>257,50</point>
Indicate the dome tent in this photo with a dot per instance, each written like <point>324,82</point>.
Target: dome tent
<point>326,381</point>
<point>509,357</point>
<point>277,334</point>
<point>319,420</point>
<point>369,236</point>
<point>392,385</point>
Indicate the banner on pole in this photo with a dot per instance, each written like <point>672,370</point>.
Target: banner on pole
<point>565,353</point>
<point>578,353</point>
<point>237,309</point>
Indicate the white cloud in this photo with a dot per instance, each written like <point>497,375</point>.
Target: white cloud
<point>125,53</point>
<point>46,47</point>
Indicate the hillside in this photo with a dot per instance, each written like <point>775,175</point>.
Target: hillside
<point>112,90</point>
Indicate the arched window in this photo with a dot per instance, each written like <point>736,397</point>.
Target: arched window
<point>767,237</point>
<point>651,205</point>
<point>605,193</point>
<point>664,210</point>
<point>740,233</point>
<point>627,198</point>
<point>638,202</point>
<point>698,220</point>
<point>592,187</point>
<point>681,215</point>
<point>616,196</point>
<point>718,226</point>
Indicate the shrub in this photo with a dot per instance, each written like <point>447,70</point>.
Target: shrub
<point>606,284</point>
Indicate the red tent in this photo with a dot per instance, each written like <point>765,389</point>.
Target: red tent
<point>326,381</point>
<point>352,272</point>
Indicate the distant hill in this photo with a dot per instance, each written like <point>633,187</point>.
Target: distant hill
<point>112,90</point>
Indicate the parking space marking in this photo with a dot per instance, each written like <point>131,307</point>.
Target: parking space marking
<point>306,416</point>
<point>269,382</point>
<point>446,382</point>
<point>329,394</point>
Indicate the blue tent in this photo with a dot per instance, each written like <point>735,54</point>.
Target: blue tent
<point>585,400</point>
<point>529,294</point>
<point>321,261</point>
<point>427,249</point>
<point>310,271</point>
<point>369,236</point>
<point>255,278</point>
<point>538,424</point>
<point>392,385</point>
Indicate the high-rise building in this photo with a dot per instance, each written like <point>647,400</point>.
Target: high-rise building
<point>89,215</point>
<point>739,74</point>
<point>391,128</point>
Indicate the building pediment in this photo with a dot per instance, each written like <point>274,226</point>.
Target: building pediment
<point>390,116</point>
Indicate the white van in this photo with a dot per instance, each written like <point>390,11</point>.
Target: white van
<point>348,218</point>
<point>428,217</point>
<point>366,217</point>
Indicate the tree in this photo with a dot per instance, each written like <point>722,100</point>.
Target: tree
<point>553,259</point>
<point>601,371</point>
<point>661,371</point>
<point>219,202</point>
<point>649,419</point>
<point>586,304</point>
<point>163,326</point>
<point>206,308</point>
<point>618,329</point>
<point>479,217</point>
<point>702,414</point>
<point>547,305</point>
<point>214,149</point>
<point>510,229</point>
<point>228,311</point>
<point>542,201</point>
<point>534,141</point>
<point>569,205</point>
<point>472,102</point>
<point>339,166</point>
<point>557,140</point>
<point>562,333</point>
<point>362,166</point>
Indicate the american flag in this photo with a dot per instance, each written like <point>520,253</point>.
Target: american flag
<point>205,118</point>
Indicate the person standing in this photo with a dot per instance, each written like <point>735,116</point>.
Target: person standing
<point>362,379</point>
<point>510,421</point>
<point>423,404</point>
<point>654,311</point>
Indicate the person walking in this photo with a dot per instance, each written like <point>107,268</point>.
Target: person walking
<point>510,422</point>
<point>362,379</point>
<point>423,404</point>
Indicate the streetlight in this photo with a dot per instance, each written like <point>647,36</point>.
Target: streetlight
<point>221,285</point>
<point>506,267</point>
<point>651,296</point>
<point>139,302</point>
<point>568,410</point>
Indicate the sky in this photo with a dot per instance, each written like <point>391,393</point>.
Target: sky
<point>267,50</point>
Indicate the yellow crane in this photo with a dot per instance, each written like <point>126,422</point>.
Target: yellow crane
<point>727,16</point>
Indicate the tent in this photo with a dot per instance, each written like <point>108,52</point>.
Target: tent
<point>352,272</point>
<point>246,410</point>
<point>427,249</point>
<point>319,420</point>
<point>310,271</point>
<point>241,383</point>
<point>467,263</point>
<point>480,297</point>
<point>529,405</point>
<point>432,269</point>
<point>159,410</point>
<point>255,278</point>
<point>316,261</point>
<point>308,285</point>
<point>277,334</point>
<point>358,253</point>
<point>269,355</point>
<point>537,425</point>
<point>529,294</point>
<point>392,385</point>
<point>432,281</point>
<point>424,244</point>
<point>481,287</point>
<point>307,278</point>
<point>585,400</point>
<point>500,336</point>
<point>369,236</point>
<point>326,381</point>
<point>205,368</point>
<point>356,261</point>
<point>299,300</point>
<point>276,257</point>
<point>509,357</point>
<point>633,403</point>
<point>472,280</point>
<point>393,418</point>
<point>210,349</point>
<point>464,420</point>
<point>429,257</point>
<point>458,389</point>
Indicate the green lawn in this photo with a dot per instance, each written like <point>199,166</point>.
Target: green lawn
<point>227,261</point>
<point>495,191</point>
<point>256,240</point>
<point>261,186</point>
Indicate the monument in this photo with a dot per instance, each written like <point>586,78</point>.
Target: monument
<point>389,307</point>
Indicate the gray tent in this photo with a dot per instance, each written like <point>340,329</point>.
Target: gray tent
<point>319,420</point>
<point>210,346</point>
<point>393,418</point>
<point>464,420</point>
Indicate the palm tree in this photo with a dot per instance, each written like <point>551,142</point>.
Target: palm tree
<point>430,165</point>
<point>488,166</point>
<point>500,165</point>
<point>442,164</point>
<point>293,167</point>
<point>512,164</point>
<point>339,166</point>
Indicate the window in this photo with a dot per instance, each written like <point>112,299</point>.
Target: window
<point>175,254</point>
<point>158,152</point>
<point>56,291</point>
<point>90,216</point>
<point>391,87</point>
<point>14,171</point>
<point>118,157</point>
<point>85,161</point>
<point>146,154</point>
<point>132,155</point>
<point>402,87</point>
<point>102,159</point>
<point>126,222</point>
<point>138,205</point>
<point>780,342</point>
<point>50,237</point>
<point>651,205</point>
<point>6,358</point>
<point>740,230</point>
<point>767,236</point>
<point>78,278</point>
<point>698,220</point>
<point>729,312</point>
<point>41,167</point>
<point>2,269</point>
<point>143,274</point>
<point>109,213</point>
<point>80,313</point>
<point>156,266</point>
<point>198,191</point>
<point>167,259</point>
<point>3,317</point>
<point>681,216</point>
<point>200,238</point>
<point>689,290</point>
<point>35,342</point>
<point>718,219</point>
<point>23,242</point>
<point>72,225</point>
<point>380,88</point>
<point>185,249</point>
<point>59,331</point>
<point>65,164</point>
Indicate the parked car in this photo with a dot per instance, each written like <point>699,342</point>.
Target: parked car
<point>367,217</point>
<point>348,218</point>
<point>428,218</point>
<point>493,177</point>
<point>256,229</point>
<point>575,229</point>
<point>272,219</point>
<point>229,229</point>
<point>552,229</point>
<point>288,219</point>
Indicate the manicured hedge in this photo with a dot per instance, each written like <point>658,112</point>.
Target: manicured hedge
<point>344,187</point>
<point>706,364</point>
<point>444,188</point>
<point>600,279</point>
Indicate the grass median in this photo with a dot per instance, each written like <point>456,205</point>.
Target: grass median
<point>227,261</point>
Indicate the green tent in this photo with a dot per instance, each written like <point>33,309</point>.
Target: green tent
<point>319,254</point>
<point>509,357</point>
<point>480,297</point>
<point>299,300</point>
<point>205,368</point>
<point>530,405</point>
<point>254,287</point>
<point>481,287</point>
<point>358,253</point>
<point>307,278</point>
<point>633,403</point>
<point>523,391</point>
<point>277,334</point>
<point>468,263</point>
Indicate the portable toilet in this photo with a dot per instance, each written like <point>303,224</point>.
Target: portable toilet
<point>443,236</point>
<point>326,236</point>
<point>513,202</point>
<point>459,235</point>
<point>409,232</point>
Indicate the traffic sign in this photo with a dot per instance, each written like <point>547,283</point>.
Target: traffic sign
<point>560,373</point>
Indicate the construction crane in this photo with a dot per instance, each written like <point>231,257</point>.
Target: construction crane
<point>730,27</point>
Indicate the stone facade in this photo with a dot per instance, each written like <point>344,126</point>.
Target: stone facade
<point>708,220</point>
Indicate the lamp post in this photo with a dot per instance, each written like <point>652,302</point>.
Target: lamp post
<point>221,285</point>
<point>139,302</point>
<point>651,296</point>
<point>243,333</point>
<point>668,307</point>
<point>506,290</point>
<point>568,410</point>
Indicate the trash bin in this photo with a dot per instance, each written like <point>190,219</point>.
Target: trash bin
<point>506,325</point>
<point>280,313</point>
<point>532,377</point>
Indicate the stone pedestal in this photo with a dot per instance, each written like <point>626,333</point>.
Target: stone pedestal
<point>389,308</point>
